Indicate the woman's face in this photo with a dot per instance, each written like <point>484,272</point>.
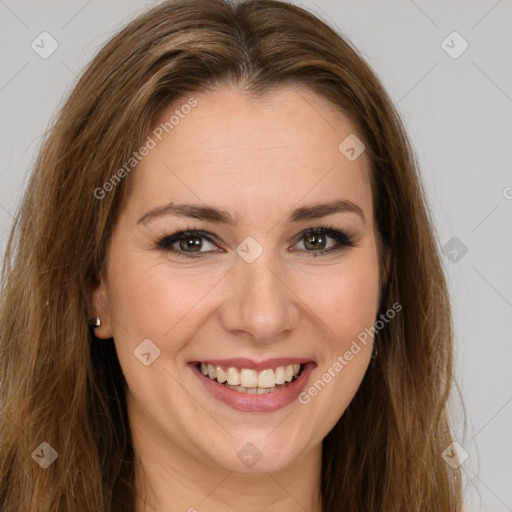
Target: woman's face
<point>254,293</point>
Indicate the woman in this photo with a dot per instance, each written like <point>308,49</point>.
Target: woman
<point>222,290</point>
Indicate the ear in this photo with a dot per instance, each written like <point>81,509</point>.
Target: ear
<point>98,298</point>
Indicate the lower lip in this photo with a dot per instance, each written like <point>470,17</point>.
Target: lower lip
<point>256,403</point>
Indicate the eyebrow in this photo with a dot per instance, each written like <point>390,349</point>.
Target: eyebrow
<point>222,216</point>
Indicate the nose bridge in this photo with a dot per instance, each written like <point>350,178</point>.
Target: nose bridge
<point>262,305</point>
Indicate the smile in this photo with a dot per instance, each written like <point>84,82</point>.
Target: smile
<point>249,386</point>
<point>250,381</point>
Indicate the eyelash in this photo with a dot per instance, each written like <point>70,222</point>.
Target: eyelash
<point>339,237</point>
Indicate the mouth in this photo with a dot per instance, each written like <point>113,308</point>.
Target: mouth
<point>248,386</point>
<point>250,380</point>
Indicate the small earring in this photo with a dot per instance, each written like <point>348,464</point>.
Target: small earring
<point>97,322</point>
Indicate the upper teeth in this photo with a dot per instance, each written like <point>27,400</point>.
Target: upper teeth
<point>249,378</point>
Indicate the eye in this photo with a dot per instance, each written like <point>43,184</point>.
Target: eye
<point>316,240</point>
<point>187,243</point>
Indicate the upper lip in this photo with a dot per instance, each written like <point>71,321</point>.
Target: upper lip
<point>240,362</point>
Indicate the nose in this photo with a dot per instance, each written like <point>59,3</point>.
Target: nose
<point>260,304</point>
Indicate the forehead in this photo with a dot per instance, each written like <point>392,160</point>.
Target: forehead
<point>245,152</point>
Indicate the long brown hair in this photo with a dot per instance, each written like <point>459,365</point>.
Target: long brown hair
<point>62,386</point>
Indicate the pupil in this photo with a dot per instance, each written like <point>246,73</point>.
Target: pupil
<point>315,242</point>
<point>192,242</point>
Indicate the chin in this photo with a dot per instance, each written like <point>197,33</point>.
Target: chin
<point>259,451</point>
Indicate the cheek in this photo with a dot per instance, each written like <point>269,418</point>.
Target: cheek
<point>150,299</point>
<point>346,305</point>
<point>345,299</point>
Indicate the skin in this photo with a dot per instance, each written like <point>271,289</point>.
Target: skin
<point>259,160</point>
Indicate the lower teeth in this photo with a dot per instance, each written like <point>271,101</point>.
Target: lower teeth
<point>258,391</point>
<point>253,391</point>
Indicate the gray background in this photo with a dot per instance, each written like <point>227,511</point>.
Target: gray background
<point>458,114</point>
